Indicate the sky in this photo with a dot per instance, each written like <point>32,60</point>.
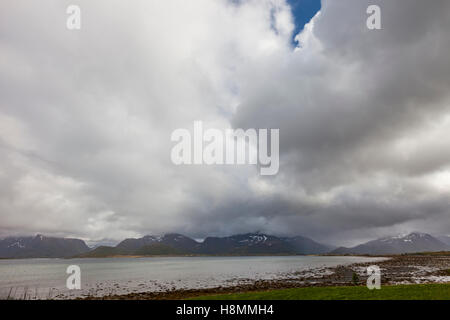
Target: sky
<point>303,11</point>
<point>86,118</point>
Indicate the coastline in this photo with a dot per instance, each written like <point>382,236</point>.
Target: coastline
<point>398,269</point>
<point>124,256</point>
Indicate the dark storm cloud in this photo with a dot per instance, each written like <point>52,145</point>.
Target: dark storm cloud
<point>364,114</point>
<point>86,118</point>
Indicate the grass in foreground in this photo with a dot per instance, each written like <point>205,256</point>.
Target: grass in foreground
<point>398,292</point>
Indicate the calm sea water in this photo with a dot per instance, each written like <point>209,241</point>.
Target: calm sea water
<point>44,278</point>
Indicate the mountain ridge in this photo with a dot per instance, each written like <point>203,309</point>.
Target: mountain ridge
<point>241,244</point>
<point>40,246</point>
<point>414,242</point>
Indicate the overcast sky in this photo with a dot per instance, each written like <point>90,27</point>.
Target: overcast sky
<point>86,118</point>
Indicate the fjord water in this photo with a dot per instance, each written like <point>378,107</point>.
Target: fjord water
<point>46,278</point>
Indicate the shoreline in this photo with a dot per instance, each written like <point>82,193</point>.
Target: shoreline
<point>124,256</point>
<point>400,269</point>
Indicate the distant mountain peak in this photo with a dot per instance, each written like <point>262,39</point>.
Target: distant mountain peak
<point>413,235</point>
<point>406,237</point>
<point>253,239</point>
<point>405,243</point>
<point>40,246</point>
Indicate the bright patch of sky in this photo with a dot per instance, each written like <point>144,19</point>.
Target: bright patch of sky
<point>303,11</point>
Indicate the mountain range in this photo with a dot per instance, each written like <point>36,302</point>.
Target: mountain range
<point>243,244</point>
<point>41,247</point>
<point>411,243</point>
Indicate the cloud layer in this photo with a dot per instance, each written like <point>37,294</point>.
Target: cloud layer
<point>86,118</point>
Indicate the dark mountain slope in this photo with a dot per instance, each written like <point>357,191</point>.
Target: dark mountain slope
<point>41,247</point>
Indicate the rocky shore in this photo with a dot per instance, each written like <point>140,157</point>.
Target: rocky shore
<point>402,269</point>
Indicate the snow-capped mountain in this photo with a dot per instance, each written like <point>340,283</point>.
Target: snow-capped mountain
<point>410,243</point>
<point>41,247</point>
<point>174,240</point>
<point>243,244</point>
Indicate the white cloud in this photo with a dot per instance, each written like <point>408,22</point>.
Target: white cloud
<point>86,117</point>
